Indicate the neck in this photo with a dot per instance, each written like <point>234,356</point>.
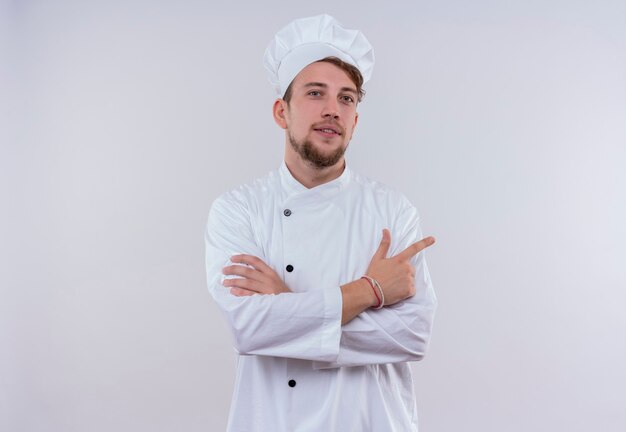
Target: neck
<point>311,176</point>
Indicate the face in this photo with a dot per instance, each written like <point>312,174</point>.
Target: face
<point>321,116</point>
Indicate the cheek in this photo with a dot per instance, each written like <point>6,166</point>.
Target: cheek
<point>352,126</point>
<point>350,114</point>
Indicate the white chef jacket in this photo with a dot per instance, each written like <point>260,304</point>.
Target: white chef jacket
<point>298,368</point>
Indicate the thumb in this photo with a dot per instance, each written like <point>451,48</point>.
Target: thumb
<point>383,248</point>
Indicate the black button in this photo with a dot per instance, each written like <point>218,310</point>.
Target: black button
<point>290,268</point>
<point>292,383</point>
<point>287,212</point>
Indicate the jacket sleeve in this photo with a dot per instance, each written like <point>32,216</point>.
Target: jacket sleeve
<point>396,333</point>
<point>296,325</point>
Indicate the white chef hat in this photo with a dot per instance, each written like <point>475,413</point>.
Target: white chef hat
<point>306,40</point>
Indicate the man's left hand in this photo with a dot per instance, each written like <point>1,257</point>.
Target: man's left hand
<point>260,279</point>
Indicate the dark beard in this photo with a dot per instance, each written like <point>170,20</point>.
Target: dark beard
<point>309,153</point>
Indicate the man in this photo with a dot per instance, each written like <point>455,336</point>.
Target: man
<point>318,270</point>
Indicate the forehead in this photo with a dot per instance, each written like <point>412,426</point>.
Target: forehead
<point>323,72</point>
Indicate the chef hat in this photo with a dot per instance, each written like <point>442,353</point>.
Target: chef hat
<point>306,40</point>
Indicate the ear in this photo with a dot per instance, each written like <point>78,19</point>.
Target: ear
<point>356,120</point>
<point>278,110</point>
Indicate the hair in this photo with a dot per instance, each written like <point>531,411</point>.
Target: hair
<point>353,73</point>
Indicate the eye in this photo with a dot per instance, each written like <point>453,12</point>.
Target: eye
<point>314,91</point>
<point>348,99</point>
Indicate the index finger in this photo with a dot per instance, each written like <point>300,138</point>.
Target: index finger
<point>415,248</point>
<point>250,260</point>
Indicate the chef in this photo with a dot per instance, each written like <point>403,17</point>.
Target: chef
<point>320,271</point>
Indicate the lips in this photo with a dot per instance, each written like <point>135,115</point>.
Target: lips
<point>326,134</point>
<point>328,130</point>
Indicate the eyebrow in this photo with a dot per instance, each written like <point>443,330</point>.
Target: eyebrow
<point>318,84</point>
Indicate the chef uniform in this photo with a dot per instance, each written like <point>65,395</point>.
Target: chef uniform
<point>298,368</point>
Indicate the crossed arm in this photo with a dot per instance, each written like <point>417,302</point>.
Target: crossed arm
<point>332,327</point>
<point>395,275</point>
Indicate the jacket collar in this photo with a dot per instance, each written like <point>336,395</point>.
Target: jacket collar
<point>293,187</point>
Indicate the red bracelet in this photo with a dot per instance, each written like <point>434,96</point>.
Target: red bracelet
<point>375,293</point>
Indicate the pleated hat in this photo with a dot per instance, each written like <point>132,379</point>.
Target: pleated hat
<point>306,40</point>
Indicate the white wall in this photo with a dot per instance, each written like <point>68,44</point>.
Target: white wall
<point>504,122</point>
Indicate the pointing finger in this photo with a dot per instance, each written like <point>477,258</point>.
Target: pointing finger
<point>415,248</point>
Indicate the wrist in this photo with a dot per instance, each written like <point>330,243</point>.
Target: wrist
<point>374,300</point>
<point>357,296</point>
<point>377,296</point>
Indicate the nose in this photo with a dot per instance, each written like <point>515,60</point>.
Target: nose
<point>331,109</point>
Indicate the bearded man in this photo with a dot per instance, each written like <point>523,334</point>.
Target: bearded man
<point>319,271</point>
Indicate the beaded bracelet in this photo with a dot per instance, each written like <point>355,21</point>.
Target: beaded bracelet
<point>376,287</point>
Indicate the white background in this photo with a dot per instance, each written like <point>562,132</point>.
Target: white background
<point>504,122</point>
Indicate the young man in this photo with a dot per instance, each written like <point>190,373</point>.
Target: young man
<point>317,269</point>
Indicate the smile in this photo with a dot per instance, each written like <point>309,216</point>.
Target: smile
<point>327,132</point>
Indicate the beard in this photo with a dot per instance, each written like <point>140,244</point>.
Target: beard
<point>308,152</point>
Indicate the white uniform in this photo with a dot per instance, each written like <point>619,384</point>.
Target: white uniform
<point>298,369</point>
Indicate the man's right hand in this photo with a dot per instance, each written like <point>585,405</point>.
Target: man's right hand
<point>396,275</point>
